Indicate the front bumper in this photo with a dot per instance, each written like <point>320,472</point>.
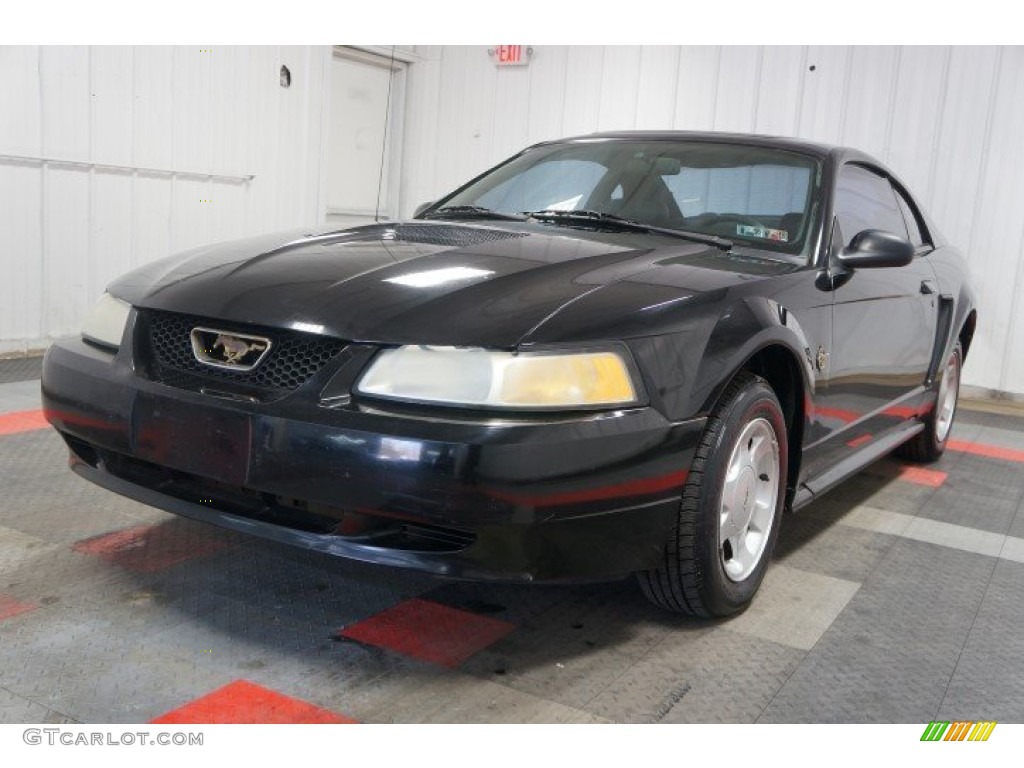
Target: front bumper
<point>547,499</point>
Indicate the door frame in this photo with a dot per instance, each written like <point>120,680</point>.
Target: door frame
<point>378,56</point>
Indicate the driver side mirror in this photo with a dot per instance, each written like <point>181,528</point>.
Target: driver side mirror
<point>874,248</point>
<point>421,208</point>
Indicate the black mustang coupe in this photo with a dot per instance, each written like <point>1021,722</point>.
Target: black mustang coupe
<point>625,353</point>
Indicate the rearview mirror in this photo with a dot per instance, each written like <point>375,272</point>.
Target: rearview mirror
<point>876,248</point>
<point>421,208</point>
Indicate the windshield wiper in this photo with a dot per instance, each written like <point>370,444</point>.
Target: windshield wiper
<point>611,220</point>
<point>469,212</point>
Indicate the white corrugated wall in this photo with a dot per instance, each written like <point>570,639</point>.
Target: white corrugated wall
<point>163,120</point>
<point>948,120</point>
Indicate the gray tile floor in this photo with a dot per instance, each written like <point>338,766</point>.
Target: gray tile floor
<point>888,601</point>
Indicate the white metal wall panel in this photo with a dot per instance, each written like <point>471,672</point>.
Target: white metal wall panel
<point>946,119</point>
<point>656,87</point>
<point>296,119</point>
<point>823,106</point>
<point>868,106</point>
<point>467,114</point>
<point>995,248</point>
<point>153,106</point>
<point>170,117</point>
<point>620,81</point>
<point>966,118</point>
<point>418,169</point>
<point>151,217</point>
<point>65,256</point>
<point>696,87</point>
<point>778,107</point>
<point>264,146</point>
<point>584,71</point>
<point>511,118</point>
<point>913,135</point>
<point>546,96</point>
<point>64,74</point>
<point>110,193</point>
<point>20,118</point>
<point>21,239</point>
<point>21,236</point>
<point>738,94</point>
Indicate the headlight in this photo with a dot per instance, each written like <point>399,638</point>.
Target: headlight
<point>105,323</point>
<point>479,377</point>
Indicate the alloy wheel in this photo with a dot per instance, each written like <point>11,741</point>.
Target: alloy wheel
<point>749,496</point>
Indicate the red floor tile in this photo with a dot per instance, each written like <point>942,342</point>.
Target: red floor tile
<point>150,548</point>
<point>429,631</point>
<point>9,607</point>
<point>245,702</point>
<point>933,478</point>
<point>22,421</point>
<point>988,451</point>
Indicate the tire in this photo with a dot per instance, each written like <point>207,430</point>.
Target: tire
<point>702,574</point>
<point>930,443</point>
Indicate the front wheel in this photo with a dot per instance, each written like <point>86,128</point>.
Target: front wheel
<point>719,548</point>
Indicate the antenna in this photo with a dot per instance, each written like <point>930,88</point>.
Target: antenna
<point>384,141</point>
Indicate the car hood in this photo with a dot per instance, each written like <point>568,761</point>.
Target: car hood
<point>428,282</point>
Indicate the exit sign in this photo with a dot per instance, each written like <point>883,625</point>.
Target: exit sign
<point>511,55</point>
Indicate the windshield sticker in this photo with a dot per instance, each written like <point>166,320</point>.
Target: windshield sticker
<point>779,235</point>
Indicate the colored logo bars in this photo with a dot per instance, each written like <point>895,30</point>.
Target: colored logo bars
<point>958,731</point>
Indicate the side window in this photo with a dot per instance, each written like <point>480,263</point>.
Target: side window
<point>913,227</point>
<point>865,200</point>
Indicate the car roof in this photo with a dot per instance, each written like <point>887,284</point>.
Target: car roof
<point>819,149</point>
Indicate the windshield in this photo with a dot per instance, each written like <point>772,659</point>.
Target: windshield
<point>754,196</point>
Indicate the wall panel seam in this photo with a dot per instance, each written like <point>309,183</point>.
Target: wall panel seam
<point>42,313</point>
<point>940,111</point>
<point>801,87</point>
<point>986,145</point>
<point>893,97</point>
<point>758,85</point>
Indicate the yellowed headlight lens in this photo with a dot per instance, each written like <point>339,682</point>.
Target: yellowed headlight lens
<point>598,378</point>
<point>498,379</point>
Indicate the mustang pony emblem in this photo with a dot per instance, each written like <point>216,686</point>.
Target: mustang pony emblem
<point>233,351</point>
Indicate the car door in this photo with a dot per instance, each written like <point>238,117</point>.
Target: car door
<point>883,322</point>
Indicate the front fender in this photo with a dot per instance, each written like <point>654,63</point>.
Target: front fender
<point>744,328</point>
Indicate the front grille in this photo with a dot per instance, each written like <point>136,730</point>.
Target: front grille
<point>294,357</point>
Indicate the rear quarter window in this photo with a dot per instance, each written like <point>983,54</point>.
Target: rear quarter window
<point>913,227</point>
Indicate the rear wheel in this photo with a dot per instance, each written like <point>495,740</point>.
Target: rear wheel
<point>732,502</point>
<point>930,443</point>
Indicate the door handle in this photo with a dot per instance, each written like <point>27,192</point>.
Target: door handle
<point>928,287</point>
